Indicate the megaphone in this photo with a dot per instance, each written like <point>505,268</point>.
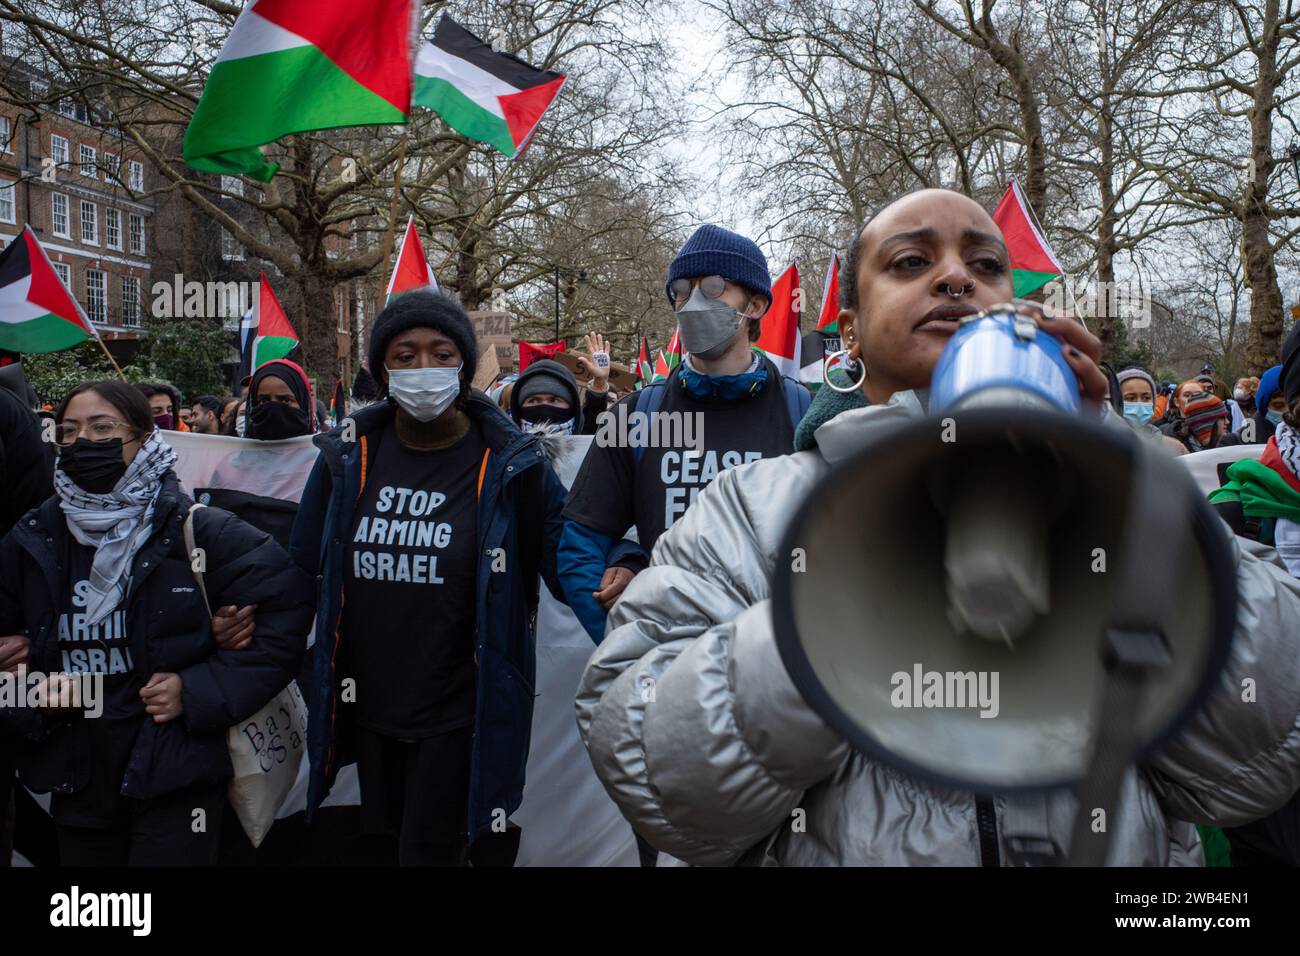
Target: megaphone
<point>1007,596</point>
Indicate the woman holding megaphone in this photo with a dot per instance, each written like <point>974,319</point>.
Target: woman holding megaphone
<point>712,742</point>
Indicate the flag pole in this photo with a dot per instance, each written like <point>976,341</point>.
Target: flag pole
<point>109,355</point>
<point>392,206</point>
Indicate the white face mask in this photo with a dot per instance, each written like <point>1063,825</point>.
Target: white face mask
<point>425,393</point>
<point>240,421</point>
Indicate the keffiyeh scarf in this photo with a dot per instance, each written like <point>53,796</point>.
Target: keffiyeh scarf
<point>115,524</point>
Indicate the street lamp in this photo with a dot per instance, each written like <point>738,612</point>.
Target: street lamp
<point>1294,153</point>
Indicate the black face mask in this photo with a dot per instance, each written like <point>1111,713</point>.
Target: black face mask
<point>95,466</point>
<point>271,421</point>
<point>545,414</point>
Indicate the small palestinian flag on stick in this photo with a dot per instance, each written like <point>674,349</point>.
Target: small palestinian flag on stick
<point>828,320</point>
<point>37,312</point>
<point>673,354</point>
<point>779,336</point>
<point>339,403</point>
<point>495,98</point>
<point>265,334</point>
<point>644,370</point>
<point>662,368</point>
<point>1033,264</point>
<point>411,272</point>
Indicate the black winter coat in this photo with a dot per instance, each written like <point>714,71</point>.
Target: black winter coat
<point>170,630</point>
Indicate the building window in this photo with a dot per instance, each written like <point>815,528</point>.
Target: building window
<point>59,150</point>
<point>65,273</point>
<point>7,201</point>
<point>135,170</point>
<point>232,184</point>
<point>95,304</point>
<point>59,208</point>
<point>5,135</point>
<point>112,228</point>
<point>135,229</point>
<point>130,301</point>
<point>89,165</point>
<point>89,223</point>
<point>112,163</point>
<point>230,247</point>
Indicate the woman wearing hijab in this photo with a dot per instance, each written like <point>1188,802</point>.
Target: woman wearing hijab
<point>281,403</point>
<point>428,525</point>
<point>712,765</point>
<point>97,583</point>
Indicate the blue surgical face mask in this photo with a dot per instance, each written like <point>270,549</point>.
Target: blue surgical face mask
<point>425,393</point>
<point>1139,412</point>
<point>1274,417</point>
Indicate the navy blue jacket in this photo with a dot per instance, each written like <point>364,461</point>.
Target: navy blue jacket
<point>170,630</point>
<point>519,506</point>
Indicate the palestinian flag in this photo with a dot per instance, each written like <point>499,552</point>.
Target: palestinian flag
<point>530,353</point>
<point>1033,263</point>
<point>644,370</point>
<point>37,312</point>
<point>491,97</point>
<point>412,269</point>
<point>295,65</point>
<point>339,403</point>
<point>673,354</point>
<point>828,319</point>
<point>265,334</point>
<point>779,335</point>
<point>662,369</point>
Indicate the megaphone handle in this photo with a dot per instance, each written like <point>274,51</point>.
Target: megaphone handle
<point>1131,655</point>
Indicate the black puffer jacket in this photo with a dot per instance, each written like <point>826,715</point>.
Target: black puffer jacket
<point>170,631</point>
<point>25,462</point>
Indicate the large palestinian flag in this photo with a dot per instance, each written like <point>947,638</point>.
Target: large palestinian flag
<point>495,98</point>
<point>265,333</point>
<point>1033,264</point>
<point>295,65</point>
<point>37,312</point>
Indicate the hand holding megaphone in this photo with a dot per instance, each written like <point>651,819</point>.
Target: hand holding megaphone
<point>1082,349</point>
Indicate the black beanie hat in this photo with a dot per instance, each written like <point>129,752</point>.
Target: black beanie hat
<point>432,310</point>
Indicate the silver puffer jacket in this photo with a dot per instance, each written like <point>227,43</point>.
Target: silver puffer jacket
<point>699,735</point>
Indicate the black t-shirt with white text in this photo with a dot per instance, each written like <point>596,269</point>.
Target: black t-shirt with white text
<point>613,491</point>
<point>102,648</point>
<point>410,575</point>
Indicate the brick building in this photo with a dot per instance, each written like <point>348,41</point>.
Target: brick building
<point>81,189</point>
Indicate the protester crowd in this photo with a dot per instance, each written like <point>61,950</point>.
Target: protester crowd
<point>432,519</point>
